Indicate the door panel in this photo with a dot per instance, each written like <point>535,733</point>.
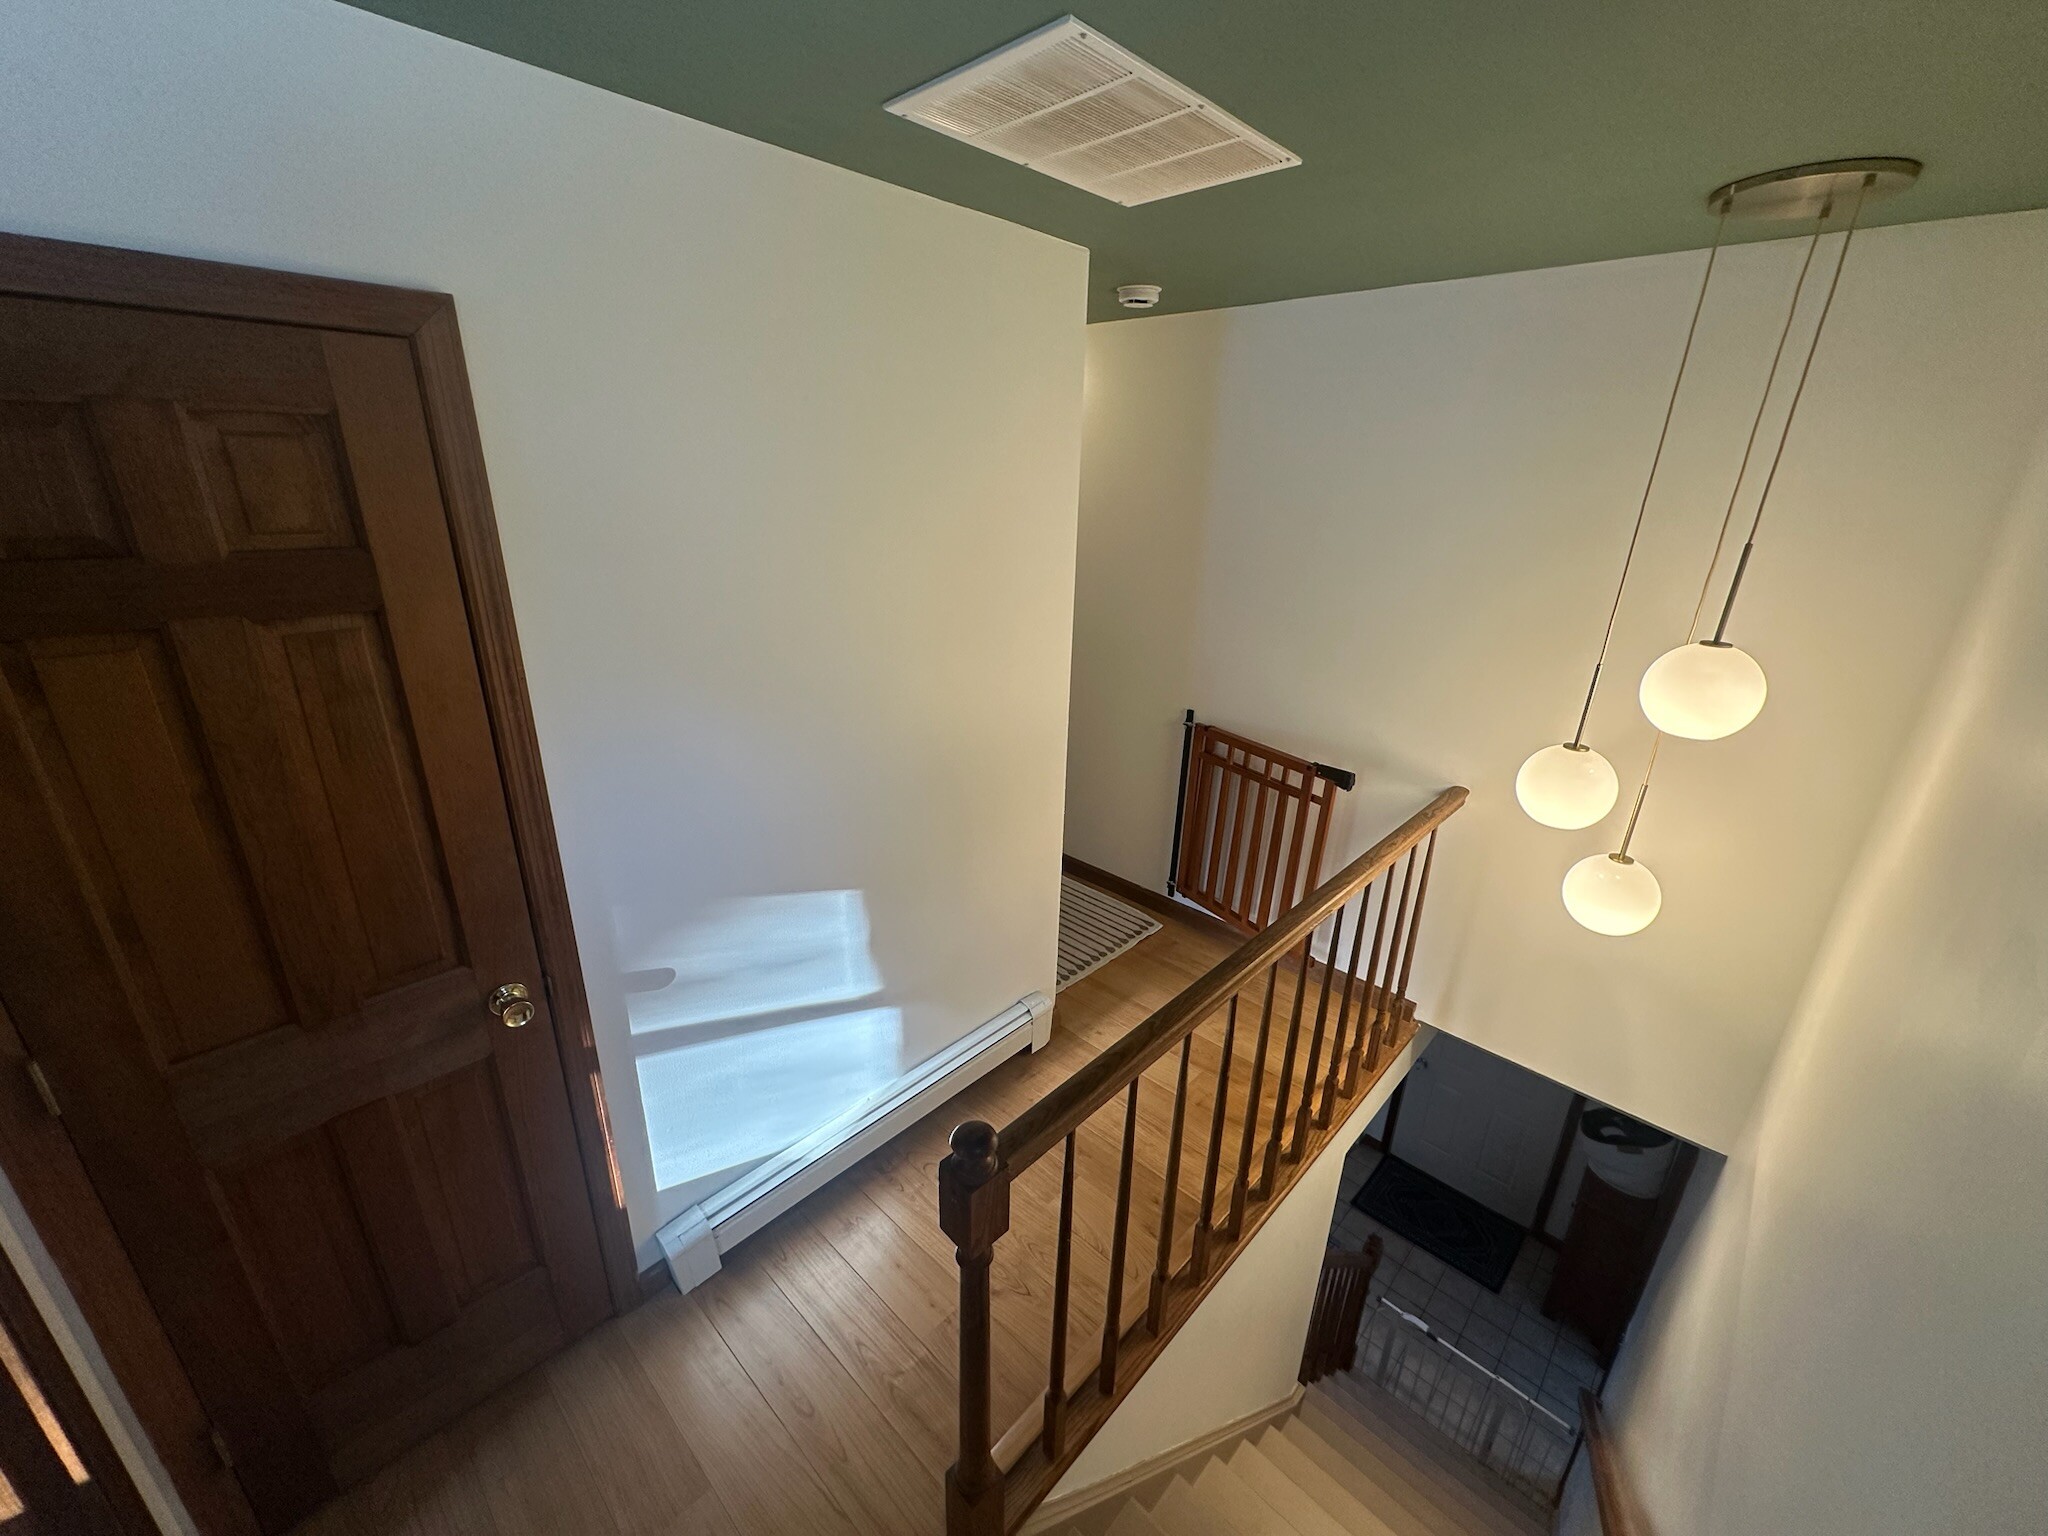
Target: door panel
<point>112,738</point>
<point>267,882</point>
<point>57,506</point>
<point>1485,1126</point>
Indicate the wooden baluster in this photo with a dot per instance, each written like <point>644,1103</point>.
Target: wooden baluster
<point>1231,826</point>
<point>1205,1223</point>
<point>1119,1243</point>
<point>1284,1087</point>
<point>1055,1435</point>
<point>1248,887</point>
<point>1155,1308</point>
<point>1220,836</point>
<point>1365,1001</point>
<point>1414,927</point>
<point>1269,891</point>
<point>1233,867</point>
<point>974,1211</point>
<point>1239,1188</point>
<point>1297,844</point>
<point>1381,1001</point>
<point>1337,1057</point>
<point>1315,1043</point>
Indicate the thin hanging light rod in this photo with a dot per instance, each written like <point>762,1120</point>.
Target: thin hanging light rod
<point>1578,740</point>
<point>1756,423</point>
<point>1642,791</point>
<point>1798,393</point>
<point>1734,496</point>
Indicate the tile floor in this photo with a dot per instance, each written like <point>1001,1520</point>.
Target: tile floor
<point>1507,1333</point>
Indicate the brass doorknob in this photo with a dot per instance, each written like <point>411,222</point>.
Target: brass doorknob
<point>510,1003</point>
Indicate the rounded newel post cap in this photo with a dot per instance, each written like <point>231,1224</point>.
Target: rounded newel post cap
<point>974,1150</point>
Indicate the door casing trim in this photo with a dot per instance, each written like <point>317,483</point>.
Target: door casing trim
<point>35,1154</point>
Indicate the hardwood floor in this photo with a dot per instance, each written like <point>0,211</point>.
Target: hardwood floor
<point>810,1386</point>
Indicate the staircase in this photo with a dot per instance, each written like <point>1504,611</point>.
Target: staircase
<point>1214,1129</point>
<point>1350,1461</point>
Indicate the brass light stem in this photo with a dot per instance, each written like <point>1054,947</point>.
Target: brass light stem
<point>1642,790</point>
<point>1756,423</point>
<point>1798,393</point>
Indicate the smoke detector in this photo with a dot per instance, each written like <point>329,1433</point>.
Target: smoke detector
<point>1138,295</point>
<point>1068,102</point>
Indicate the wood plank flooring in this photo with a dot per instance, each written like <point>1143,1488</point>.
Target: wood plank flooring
<point>810,1386</point>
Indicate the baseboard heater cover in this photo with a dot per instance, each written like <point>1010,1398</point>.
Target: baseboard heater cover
<point>693,1241</point>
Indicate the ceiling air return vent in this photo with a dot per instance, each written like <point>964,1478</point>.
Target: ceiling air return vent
<point>1069,102</point>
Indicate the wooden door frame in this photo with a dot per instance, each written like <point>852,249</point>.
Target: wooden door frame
<point>66,1398</point>
<point>38,1157</point>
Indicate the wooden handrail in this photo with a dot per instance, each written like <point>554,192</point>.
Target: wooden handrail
<point>1619,1512</point>
<point>999,1478</point>
<point>1045,1124</point>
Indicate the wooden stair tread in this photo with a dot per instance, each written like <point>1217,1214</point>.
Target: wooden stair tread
<point>1223,1490</point>
<point>1131,1520</point>
<point>1430,1470</point>
<point>1294,1503</point>
<point>1383,1484</point>
<point>1362,1517</point>
<point>1374,1406</point>
<point>1180,1511</point>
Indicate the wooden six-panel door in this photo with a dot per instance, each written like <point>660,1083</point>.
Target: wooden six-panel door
<point>259,882</point>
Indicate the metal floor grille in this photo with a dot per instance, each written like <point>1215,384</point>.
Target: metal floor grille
<point>1095,929</point>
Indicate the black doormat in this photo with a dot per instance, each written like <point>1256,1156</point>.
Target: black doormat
<point>1438,1219</point>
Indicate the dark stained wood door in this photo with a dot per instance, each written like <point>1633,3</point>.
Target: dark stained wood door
<point>259,882</point>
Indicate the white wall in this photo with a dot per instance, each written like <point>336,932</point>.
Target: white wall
<point>1383,528</point>
<point>785,461</point>
<point>1853,1336</point>
<point>1241,1351</point>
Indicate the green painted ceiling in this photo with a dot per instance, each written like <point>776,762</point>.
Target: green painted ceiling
<point>1440,138</point>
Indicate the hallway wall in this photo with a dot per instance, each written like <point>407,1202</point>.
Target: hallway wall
<point>1847,1335</point>
<point>785,463</point>
<point>1382,529</point>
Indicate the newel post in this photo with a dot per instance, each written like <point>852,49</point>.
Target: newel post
<point>974,1210</point>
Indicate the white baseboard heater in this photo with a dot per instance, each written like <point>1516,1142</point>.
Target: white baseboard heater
<point>693,1241</point>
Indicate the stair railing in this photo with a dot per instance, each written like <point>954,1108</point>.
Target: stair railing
<point>1501,1426</point>
<point>1334,1320</point>
<point>1321,1072</point>
<point>1614,1497</point>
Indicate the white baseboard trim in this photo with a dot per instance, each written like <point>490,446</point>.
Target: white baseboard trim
<point>693,1241</point>
<point>1056,1512</point>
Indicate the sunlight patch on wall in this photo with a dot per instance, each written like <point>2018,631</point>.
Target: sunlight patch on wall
<point>744,1043</point>
<point>720,1104</point>
<point>753,955</point>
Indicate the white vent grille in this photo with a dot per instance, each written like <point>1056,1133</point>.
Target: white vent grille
<point>1069,102</point>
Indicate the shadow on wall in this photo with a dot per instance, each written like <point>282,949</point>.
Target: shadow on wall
<point>741,1035</point>
<point>1137,579</point>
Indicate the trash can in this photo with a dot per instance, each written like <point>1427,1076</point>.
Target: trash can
<point>1628,1156</point>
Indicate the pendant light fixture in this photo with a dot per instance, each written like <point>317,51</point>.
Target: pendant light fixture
<point>1570,785</point>
<point>1612,893</point>
<point>1708,689</point>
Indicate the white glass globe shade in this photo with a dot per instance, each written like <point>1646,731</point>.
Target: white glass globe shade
<point>1611,894</point>
<point>1567,787</point>
<point>1703,691</point>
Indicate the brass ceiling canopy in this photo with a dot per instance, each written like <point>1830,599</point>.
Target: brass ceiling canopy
<point>1802,191</point>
